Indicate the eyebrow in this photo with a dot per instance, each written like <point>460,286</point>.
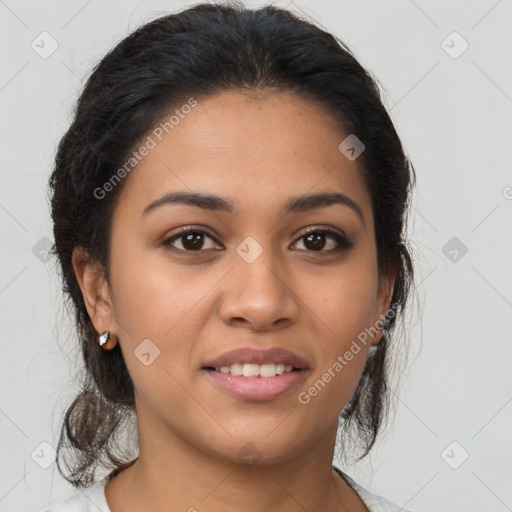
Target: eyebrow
<point>219,204</point>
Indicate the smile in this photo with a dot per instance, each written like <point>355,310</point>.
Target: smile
<point>255,370</point>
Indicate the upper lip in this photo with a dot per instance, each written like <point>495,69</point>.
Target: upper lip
<point>250,355</point>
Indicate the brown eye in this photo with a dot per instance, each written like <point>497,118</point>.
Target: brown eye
<point>191,240</point>
<point>316,241</point>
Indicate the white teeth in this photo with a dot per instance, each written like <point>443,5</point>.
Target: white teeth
<point>267,370</point>
<point>251,370</point>
<point>235,369</point>
<point>256,370</point>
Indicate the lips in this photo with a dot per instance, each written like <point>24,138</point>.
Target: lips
<point>258,356</point>
<point>261,385</point>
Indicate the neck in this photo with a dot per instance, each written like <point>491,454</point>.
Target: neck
<point>177,472</point>
<point>172,469</point>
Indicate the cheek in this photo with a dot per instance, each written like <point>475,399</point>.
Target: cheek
<point>346,307</point>
<point>347,302</point>
<point>166,304</point>
<point>154,295</point>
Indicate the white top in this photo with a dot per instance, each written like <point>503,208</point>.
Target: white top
<point>94,500</point>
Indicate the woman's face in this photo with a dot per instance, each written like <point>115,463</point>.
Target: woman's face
<point>248,277</point>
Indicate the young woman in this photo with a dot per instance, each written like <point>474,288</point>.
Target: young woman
<point>229,208</point>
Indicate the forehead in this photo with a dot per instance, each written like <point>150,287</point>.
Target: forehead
<point>254,149</point>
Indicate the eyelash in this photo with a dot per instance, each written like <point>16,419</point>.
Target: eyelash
<point>343,242</point>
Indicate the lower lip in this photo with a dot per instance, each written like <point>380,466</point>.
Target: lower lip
<point>257,388</point>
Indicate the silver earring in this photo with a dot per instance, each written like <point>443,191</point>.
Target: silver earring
<point>104,338</point>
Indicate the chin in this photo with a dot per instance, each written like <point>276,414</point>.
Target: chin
<point>260,448</point>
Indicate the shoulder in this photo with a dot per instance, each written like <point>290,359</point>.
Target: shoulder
<point>373,502</point>
<point>90,500</point>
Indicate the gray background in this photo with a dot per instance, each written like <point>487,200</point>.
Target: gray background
<point>453,113</point>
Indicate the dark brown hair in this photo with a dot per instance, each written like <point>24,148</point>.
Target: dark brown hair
<point>197,52</point>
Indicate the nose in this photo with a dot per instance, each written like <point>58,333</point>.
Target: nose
<point>259,296</point>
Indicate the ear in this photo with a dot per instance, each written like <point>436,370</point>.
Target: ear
<point>95,290</point>
<point>384,295</point>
